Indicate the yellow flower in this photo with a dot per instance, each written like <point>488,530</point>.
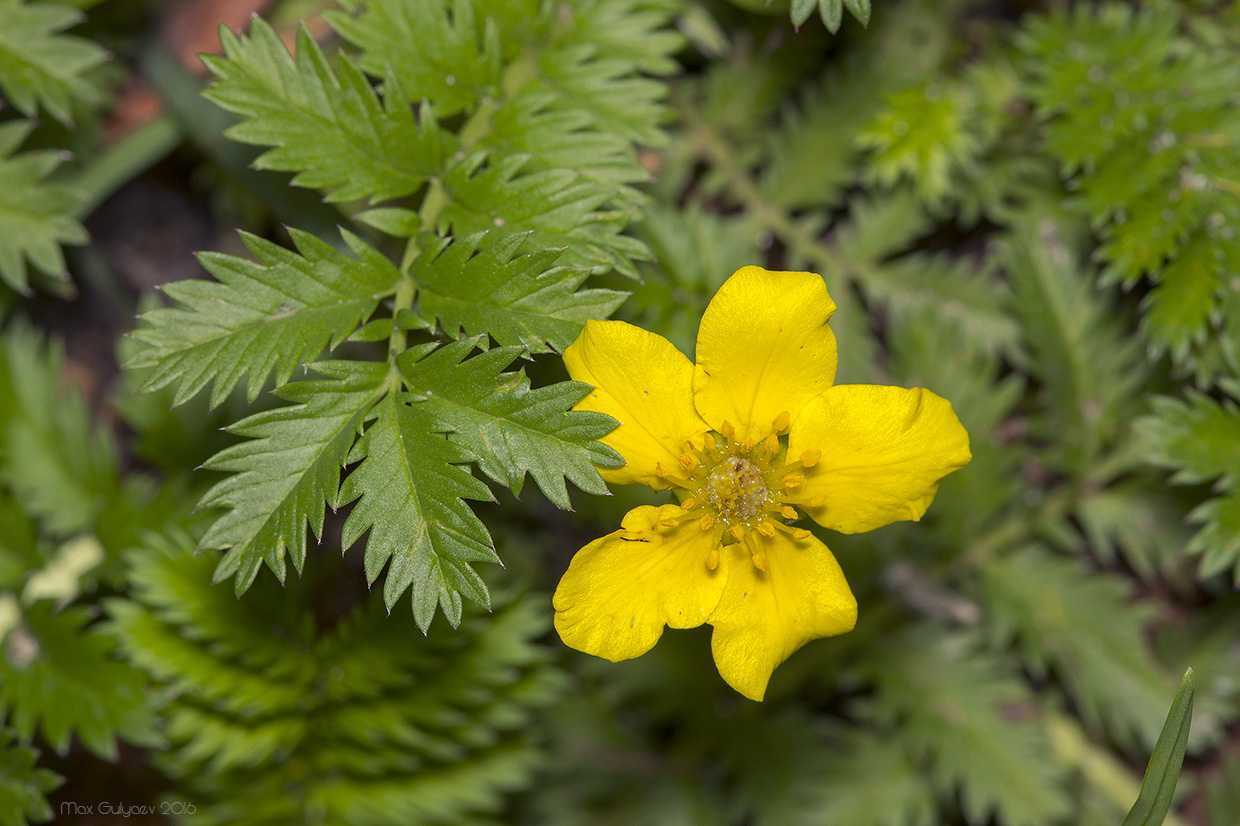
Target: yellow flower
<point>752,432</point>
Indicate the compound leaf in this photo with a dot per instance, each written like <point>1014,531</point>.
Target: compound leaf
<point>260,317</point>
<point>39,66</point>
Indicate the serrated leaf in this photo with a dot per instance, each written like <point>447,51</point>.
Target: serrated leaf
<point>510,428</point>
<point>23,785</point>
<point>260,317</point>
<point>60,468</point>
<point>40,67</point>
<point>973,723</point>
<point>1158,785</point>
<point>34,214</point>
<point>329,127</point>
<point>870,780</point>
<point>1084,626</point>
<point>410,496</point>
<point>58,677</point>
<point>520,299</point>
<point>556,206</point>
<point>1177,310</point>
<point>437,50</point>
<point>288,470</point>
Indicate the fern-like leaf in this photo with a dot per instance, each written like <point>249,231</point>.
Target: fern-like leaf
<point>260,317</point>
<point>39,67</point>
<point>330,128</point>
<point>410,491</point>
<point>34,214</point>
<point>516,299</point>
<point>511,429</point>
<point>289,469</point>
<point>22,784</point>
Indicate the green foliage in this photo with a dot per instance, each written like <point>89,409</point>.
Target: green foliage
<point>831,11</point>
<point>360,722</point>
<point>34,219</point>
<point>1199,438</point>
<point>22,784</point>
<point>1088,631</point>
<point>41,68</point>
<point>1164,769</point>
<point>260,317</point>
<point>1143,115</point>
<point>971,722</point>
<point>516,299</point>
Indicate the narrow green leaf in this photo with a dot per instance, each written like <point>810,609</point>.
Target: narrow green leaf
<point>1163,772</point>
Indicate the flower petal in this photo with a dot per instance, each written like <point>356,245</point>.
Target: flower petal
<point>764,616</point>
<point>884,452</point>
<point>643,381</point>
<point>620,590</point>
<point>763,348</point>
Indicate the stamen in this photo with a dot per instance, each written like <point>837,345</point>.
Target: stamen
<point>796,533</point>
<point>712,558</point>
<point>771,445</point>
<point>781,422</point>
<point>788,512</point>
<point>818,501</point>
<point>727,429</point>
<point>739,532</point>
<point>759,560</point>
<point>766,529</point>
<point>689,503</point>
<point>810,457</point>
<point>678,481</point>
<point>687,462</point>
<point>793,480</point>
<point>747,446</point>
<point>707,522</point>
<point>670,521</point>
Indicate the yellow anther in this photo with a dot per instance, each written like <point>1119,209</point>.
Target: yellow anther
<point>727,429</point>
<point>788,512</point>
<point>759,561</point>
<point>707,522</point>
<point>818,501</point>
<point>810,457</point>
<point>766,529</point>
<point>747,446</point>
<point>781,422</point>
<point>793,480</point>
<point>689,503</point>
<point>739,532</point>
<point>771,445</point>
<point>712,558</point>
<point>659,471</point>
<point>687,462</point>
<point>670,521</point>
<point>800,533</point>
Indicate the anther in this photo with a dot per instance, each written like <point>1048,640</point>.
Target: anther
<point>781,422</point>
<point>727,429</point>
<point>739,532</point>
<point>788,512</point>
<point>771,445</point>
<point>689,503</point>
<point>712,558</point>
<point>796,533</point>
<point>766,529</point>
<point>818,501</point>
<point>747,446</point>
<point>687,462</point>
<point>707,522</point>
<point>810,457</point>
<point>670,521</point>
<point>793,480</point>
<point>759,561</point>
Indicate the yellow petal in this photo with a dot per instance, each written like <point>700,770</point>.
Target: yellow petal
<point>763,617</point>
<point>884,452</point>
<point>764,348</point>
<point>620,590</point>
<point>644,382</point>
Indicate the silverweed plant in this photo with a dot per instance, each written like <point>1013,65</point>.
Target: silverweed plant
<point>446,245</point>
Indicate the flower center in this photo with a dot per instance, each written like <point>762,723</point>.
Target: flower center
<point>736,489</point>
<point>733,488</point>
